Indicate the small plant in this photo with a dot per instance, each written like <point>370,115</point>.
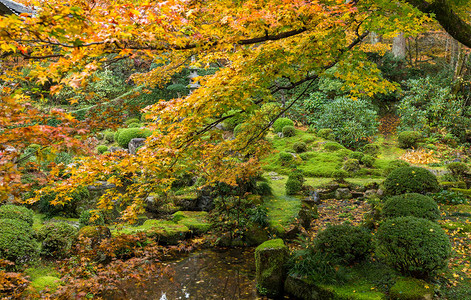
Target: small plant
<point>409,139</point>
<point>449,197</point>
<point>109,136</point>
<point>280,123</point>
<point>410,180</point>
<point>344,243</point>
<point>324,133</point>
<point>101,149</point>
<point>15,212</point>
<point>412,204</point>
<point>340,175</point>
<point>299,147</point>
<point>259,215</point>
<point>351,165</point>
<point>131,121</point>
<point>294,183</point>
<point>368,161</point>
<point>413,246</point>
<point>288,131</point>
<point>135,125</point>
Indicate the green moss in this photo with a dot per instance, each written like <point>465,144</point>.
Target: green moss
<point>167,232</point>
<point>460,227</point>
<point>466,192</point>
<point>194,220</point>
<point>49,282</point>
<point>410,289</point>
<point>272,244</point>
<point>270,259</point>
<point>360,291</point>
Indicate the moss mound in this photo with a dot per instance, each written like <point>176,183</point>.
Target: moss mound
<point>16,241</point>
<point>412,204</point>
<point>411,180</point>
<point>15,212</point>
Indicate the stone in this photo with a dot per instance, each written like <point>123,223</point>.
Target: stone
<point>301,289</point>
<point>270,260</point>
<point>380,192</point>
<point>135,144</point>
<point>196,221</point>
<point>256,235</point>
<point>343,193</point>
<point>280,134</point>
<point>306,215</point>
<point>95,234</point>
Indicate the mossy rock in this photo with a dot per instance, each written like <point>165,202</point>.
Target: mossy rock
<point>452,184</point>
<point>196,221</point>
<point>411,289</point>
<point>96,234</point>
<point>166,232</point>
<point>256,235</point>
<point>270,258</point>
<point>466,192</point>
<point>46,282</point>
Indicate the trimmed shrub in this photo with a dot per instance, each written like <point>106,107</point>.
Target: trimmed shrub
<point>280,123</point>
<point>410,180</point>
<point>412,204</point>
<point>293,186</point>
<point>344,243</point>
<point>356,155</point>
<point>126,135</point>
<point>56,239</point>
<point>15,212</point>
<point>409,139</point>
<point>339,175</point>
<point>285,158</point>
<point>371,149</point>
<point>101,149</point>
<point>393,165</point>
<point>85,217</point>
<point>368,161</point>
<point>294,183</point>
<point>16,241</point>
<point>288,131</point>
<point>109,136</point>
<point>324,133</point>
<point>351,165</point>
<point>413,246</point>
<point>135,125</point>
<point>458,169</point>
<point>333,146</point>
<point>299,147</point>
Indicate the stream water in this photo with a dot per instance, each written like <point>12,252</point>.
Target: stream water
<point>206,274</point>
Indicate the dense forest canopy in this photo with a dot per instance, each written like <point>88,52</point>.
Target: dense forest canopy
<point>248,53</point>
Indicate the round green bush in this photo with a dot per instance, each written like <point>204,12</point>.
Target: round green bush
<point>413,246</point>
<point>293,186</point>
<point>458,169</point>
<point>288,131</point>
<point>339,175</point>
<point>371,149</point>
<point>344,243</point>
<point>393,165</point>
<point>135,125</point>
<point>126,135</point>
<point>15,212</point>
<point>101,149</point>
<point>351,165</point>
<point>333,146</point>
<point>411,204</point>
<point>409,139</point>
<point>285,158</point>
<point>324,133</point>
<point>132,120</point>
<point>109,136</point>
<point>280,123</point>
<point>356,155</point>
<point>368,161</point>
<point>16,241</point>
<point>410,180</point>
<point>56,239</point>
<point>299,147</point>
<point>85,216</point>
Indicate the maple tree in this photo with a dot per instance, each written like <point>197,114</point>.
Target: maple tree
<point>261,48</point>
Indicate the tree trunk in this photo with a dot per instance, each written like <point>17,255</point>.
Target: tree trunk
<point>399,46</point>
